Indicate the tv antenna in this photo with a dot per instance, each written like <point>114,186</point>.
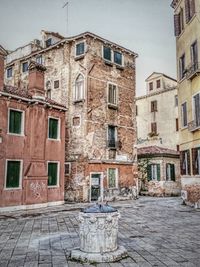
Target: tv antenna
<point>67,17</point>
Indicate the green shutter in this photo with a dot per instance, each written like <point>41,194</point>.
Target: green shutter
<point>15,122</point>
<point>149,173</point>
<point>112,178</point>
<point>158,172</point>
<point>172,170</point>
<point>53,128</point>
<point>13,174</point>
<point>52,173</point>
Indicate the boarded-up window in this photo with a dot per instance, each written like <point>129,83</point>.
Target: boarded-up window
<point>112,94</point>
<point>53,128</point>
<point>170,172</point>
<point>13,174</point>
<point>185,162</point>
<point>154,106</point>
<point>52,173</point>
<point>112,178</point>
<point>15,121</point>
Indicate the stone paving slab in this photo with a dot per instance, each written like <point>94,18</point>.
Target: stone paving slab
<point>155,231</point>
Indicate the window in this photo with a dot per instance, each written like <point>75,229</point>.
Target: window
<point>185,162</point>
<point>184,114</point>
<point>177,148</point>
<point>53,171</point>
<point>13,173</point>
<point>151,86</point>
<point>158,84</point>
<point>112,178</point>
<point>112,94</point>
<point>179,22</point>
<point>170,172</point>
<point>39,59</point>
<point>136,110</point>
<point>48,42</point>
<point>53,128</point>
<point>194,56</point>
<point>79,87</point>
<point>9,72</point>
<point>196,104</point>
<point>154,127</point>
<point>76,121</point>
<point>182,70</point>
<point>107,53</point>
<point>67,168</point>
<point>196,161</point>
<point>177,126</point>
<point>189,9</point>
<point>25,66</point>
<point>16,118</point>
<point>112,136</point>
<point>48,93</point>
<point>176,100</point>
<point>56,84</point>
<point>80,49</point>
<point>154,106</point>
<point>117,58</point>
<point>153,172</point>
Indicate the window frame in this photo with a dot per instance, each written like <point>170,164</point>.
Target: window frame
<point>83,89</point>
<point>20,174</point>
<point>158,84</point>
<point>116,139</point>
<point>183,126</point>
<point>70,167</point>
<point>116,95</point>
<point>59,125</point>
<point>182,71</point>
<point>111,54</point>
<point>58,174</point>
<point>37,59</point>
<point>25,63</point>
<point>194,117</point>
<point>150,86</point>
<point>55,82</point>
<point>122,58</point>
<point>116,178</point>
<point>168,175</point>
<point>75,52</point>
<point>48,42</point>
<point>154,106</point>
<point>22,122</point>
<point>7,72</point>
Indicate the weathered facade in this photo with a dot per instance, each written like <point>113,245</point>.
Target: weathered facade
<point>187,32</point>
<point>159,171</point>
<point>32,139</point>
<point>95,79</point>
<point>157,113</point>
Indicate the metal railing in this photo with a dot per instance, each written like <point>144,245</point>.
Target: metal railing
<point>192,70</point>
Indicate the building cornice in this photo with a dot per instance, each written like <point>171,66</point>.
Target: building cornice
<point>156,93</point>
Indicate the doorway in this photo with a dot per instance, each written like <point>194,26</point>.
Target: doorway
<point>96,186</point>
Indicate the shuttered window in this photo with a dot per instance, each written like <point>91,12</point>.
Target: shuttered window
<point>196,161</point>
<point>185,162</point>
<point>112,178</point>
<point>170,172</point>
<point>112,94</point>
<point>15,121</point>
<point>53,128</point>
<point>52,173</point>
<point>184,114</point>
<point>13,174</point>
<point>153,172</point>
<point>194,55</point>
<point>189,9</point>
<point>182,70</point>
<point>196,101</point>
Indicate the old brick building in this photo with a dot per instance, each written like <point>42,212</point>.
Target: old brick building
<point>32,138</point>
<point>95,78</point>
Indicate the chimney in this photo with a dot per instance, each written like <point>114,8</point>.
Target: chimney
<point>1,71</point>
<point>36,80</point>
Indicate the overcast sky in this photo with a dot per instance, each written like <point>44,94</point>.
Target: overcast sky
<point>144,26</point>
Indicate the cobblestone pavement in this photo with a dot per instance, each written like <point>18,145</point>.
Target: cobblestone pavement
<point>155,231</point>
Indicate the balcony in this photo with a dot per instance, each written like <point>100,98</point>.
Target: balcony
<point>193,126</point>
<point>193,70</point>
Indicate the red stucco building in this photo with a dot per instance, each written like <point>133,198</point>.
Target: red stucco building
<point>32,144</point>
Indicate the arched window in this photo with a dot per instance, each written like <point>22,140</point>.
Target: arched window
<point>79,87</point>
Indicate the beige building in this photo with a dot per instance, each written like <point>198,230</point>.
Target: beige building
<point>95,79</point>
<point>158,140</point>
<point>157,113</point>
<point>187,32</point>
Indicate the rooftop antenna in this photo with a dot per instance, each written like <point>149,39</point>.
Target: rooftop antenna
<point>67,21</point>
